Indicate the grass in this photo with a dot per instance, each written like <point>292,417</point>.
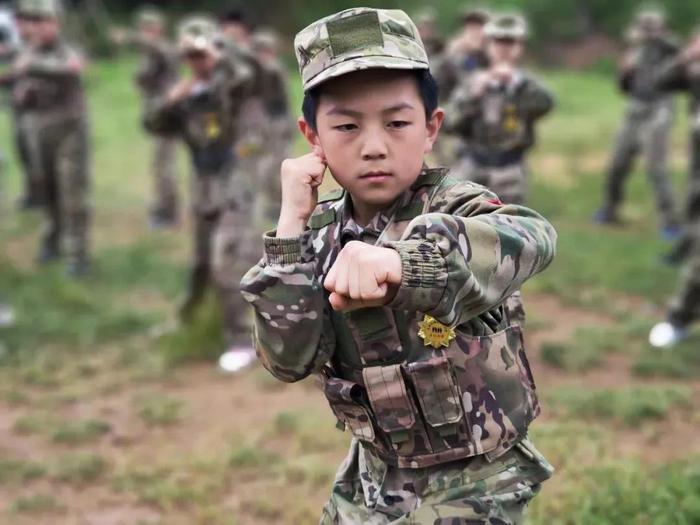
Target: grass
<point>89,348</point>
<point>631,406</point>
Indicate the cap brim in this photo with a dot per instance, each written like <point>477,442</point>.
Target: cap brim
<point>363,63</point>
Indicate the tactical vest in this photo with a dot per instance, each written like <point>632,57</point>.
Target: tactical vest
<point>412,404</point>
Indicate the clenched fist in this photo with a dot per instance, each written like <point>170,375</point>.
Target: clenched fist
<point>363,276</point>
<point>301,178</point>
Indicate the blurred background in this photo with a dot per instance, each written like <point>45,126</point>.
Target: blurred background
<point>104,419</point>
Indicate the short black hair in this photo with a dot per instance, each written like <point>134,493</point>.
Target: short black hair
<point>235,16</point>
<point>427,89</point>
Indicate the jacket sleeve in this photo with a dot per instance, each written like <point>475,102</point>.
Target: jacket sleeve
<point>163,117</point>
<point>54,64</point>
<point>470,254</point>
<point>535,100</point>
<point>461,109</point>
<point>672,76</point>
<point>293,335</point>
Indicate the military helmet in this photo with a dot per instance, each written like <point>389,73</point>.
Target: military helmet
<point>507,27</point>
<point>264,39</point>
<point>197,33</point>
<point>426,15</point>
<point>475,15</point>
<point>150,15</point>
<point>357,39</point>
<point>40,8</point>
<point>650,19</point>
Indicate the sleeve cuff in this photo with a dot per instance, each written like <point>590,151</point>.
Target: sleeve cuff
<point>287,250</point>
<point>424,275</point>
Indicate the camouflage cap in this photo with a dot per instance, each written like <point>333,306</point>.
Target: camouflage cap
<point>149,15</point>
<point>427,15</point>
<point>197,33</point>
<point>40,8</point>
<point>650,19</point>
<point>264,39</point>
<point>510,27</point>
<point>356,39</point>
<point>476,15</point>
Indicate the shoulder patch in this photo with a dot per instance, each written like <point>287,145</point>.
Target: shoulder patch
<point>319,220</point>
<point>331,196</point>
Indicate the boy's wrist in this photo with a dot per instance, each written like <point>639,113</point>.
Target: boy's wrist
<point>291,224</point>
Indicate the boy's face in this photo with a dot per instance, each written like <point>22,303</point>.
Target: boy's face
<point>474,34</point>
<point>151,30</point>
<point>45,30</point>
<point>236,32</point>
<point>372,130</point>
<point>201,63</point>
<point>505,51</point>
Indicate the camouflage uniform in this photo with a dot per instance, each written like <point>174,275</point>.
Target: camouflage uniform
<point>438,429</point>
<point>51,96</point>
<point>646,127</point>
<point>157,73</point>
<point>498,125</point>
<point>277,131</point>
<point>207,121</point>
<point>677,74</point>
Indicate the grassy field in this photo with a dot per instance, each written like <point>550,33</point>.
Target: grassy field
<point>103,422</point>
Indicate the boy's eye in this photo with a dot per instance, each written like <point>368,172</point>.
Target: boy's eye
<point>346,127</point>
<point>398,124</point>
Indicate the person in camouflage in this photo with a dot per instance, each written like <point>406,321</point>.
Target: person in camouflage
<point>50,94</point>
<point>495,113</point>
<point>647,122</point>
<point>203,110</point>
<point>277,129</point>
<point>391,290</point>
<point>682,73</point>
<point>157,73</point>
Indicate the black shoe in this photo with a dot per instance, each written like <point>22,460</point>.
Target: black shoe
<point>27,203</point>
<point>605,216</point>
<point>48,253</point>
<point>162,221</point>
<point>78,269</point>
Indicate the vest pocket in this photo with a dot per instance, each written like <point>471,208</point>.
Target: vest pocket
<point>438,394</point>
<point>390,401</point>
<point>346,401</point>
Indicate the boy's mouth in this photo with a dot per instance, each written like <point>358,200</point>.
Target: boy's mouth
<point>375,176</point>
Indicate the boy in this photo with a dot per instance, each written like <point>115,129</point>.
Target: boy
<point>391,290</point>
<point>49,93</point>
<point>682,73</point>
<point>495,112</point>
<point>647,123</point>
<point>157,73</point>
<point>203,110</point>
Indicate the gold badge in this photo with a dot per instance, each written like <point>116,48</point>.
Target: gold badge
<point>213,129</point>
<point>434,333</point>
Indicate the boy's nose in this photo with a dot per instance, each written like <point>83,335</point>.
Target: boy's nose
<point>374,147</point>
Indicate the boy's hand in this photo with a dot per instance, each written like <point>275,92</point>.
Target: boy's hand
<point>301,178</point>
<point>363,276</point>
<point>180,90</point>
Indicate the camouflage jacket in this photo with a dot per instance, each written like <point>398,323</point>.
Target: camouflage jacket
<point>158,66</point>
<point>676,75</point>
<point>646,58</point>
<point>207,119</point>
<point>274,90</point>
<point>463,253</point>
<point>454,69</point>
<point>49,85</point>
<point>501,120</point>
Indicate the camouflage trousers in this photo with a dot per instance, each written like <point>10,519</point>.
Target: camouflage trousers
<point>685,306</point>
<point>645,130</point>
<point>163,168</point>
<point>471,491</point>
<point>508,182</point>
<point>691,225</point>
<point>61,155</point>
<point>24,134</point>
<point>226,245</point>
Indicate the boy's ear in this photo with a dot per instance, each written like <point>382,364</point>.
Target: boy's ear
<point>310,135</point>
<point>433,126</point>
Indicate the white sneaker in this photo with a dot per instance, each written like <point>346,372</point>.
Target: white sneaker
<point>7,316</point>
<point>236,359</point>
<point>665,335</point>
